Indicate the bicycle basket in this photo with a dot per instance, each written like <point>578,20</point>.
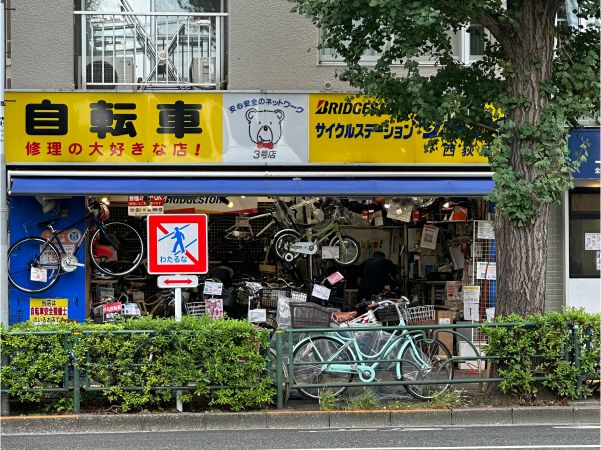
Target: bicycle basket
<point>195,308</point>
<point>310,315</point>
<point>387,314</point>
<point>268,297</point>
<point>419,314</point>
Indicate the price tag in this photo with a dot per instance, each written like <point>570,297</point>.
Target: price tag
<point>335,278</point>
<point>38,274</point>
<point>212,288</point>
<point>321,292</point>
<point>257,315</point>
<point>328,252</point>
<point>214,308</point>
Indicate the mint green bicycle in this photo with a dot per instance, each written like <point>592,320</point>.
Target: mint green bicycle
<point>337,358</point>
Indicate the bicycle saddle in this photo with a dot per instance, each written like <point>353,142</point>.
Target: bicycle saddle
<point>47,223</point>
<point>341,317</point>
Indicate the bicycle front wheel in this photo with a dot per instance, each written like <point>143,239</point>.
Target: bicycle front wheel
<point>116,249</point>
<point>425,361</point>
<point>349,250</point>
<point>312,359</point>
<point>33,253</point>
<point>281,244</point>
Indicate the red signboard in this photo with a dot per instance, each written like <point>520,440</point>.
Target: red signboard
<point>177,243</point>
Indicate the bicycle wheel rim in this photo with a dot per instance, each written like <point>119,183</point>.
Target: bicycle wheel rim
<point>438,368</point>
<point>127,245</point>
<point>23,255</point>
<point>312,354</point>
<point>349,250</point>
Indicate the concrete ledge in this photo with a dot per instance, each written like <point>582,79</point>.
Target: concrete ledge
<point>359,419</point>
<point>421,417</point>
<point>482,416</point>
<point>543,414</point>
<point>235,421</point>
<point>587,414</point>
<point>294,419</point>
<point>580,414</point>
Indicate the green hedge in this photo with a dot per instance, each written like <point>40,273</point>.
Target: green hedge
<point>222,362</point>
<point>561,347</point>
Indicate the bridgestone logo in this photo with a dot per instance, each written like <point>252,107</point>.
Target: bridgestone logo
<point>327,107</point>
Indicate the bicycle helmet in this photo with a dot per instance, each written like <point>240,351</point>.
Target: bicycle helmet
<point>101,211</point>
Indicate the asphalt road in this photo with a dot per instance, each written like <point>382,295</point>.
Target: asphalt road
<point>451,437</point>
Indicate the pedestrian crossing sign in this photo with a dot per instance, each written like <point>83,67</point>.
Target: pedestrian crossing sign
<point>177,244</point>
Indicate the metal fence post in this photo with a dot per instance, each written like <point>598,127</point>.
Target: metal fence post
<point>76,379</point>
<point>279,375</point>
<point>575,336</point>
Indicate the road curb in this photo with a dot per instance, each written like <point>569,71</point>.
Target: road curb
<point>89,423</point>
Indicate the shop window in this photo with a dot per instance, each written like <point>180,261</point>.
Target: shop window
<point>583,222</point>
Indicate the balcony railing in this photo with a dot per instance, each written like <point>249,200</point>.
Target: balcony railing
<point>145,50</point>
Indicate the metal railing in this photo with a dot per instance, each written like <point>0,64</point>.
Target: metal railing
<point>478,364</point>
<point>76,378</point>
<point>150,50</point>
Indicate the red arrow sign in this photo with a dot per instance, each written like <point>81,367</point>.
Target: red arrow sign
<point>169,281</point>
<point>177,282</point>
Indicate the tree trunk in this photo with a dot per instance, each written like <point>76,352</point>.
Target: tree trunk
<point>521,264</point>
<point>522,250</point>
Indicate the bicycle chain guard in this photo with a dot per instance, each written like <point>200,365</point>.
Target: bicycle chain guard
<point>306,248</point>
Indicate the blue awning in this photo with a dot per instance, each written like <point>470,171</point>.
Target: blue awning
<point>250,186</point>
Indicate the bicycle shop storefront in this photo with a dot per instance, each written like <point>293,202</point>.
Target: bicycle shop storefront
<point>271,171</point>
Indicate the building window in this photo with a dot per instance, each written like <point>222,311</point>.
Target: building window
<point>145,44</point>
<point>583,221</point>
<point>467,45</point>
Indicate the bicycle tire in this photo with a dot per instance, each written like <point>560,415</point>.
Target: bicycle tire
<point>281,243</point>
<point>126,241</point>
<point>349,250</point>
<point>27,253</point>
<point>313,352</point>
<point>271,359</point>
<point>410,368</point>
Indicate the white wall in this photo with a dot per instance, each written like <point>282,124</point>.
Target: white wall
<point>586,293</point>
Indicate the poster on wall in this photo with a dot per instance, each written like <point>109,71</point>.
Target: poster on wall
<point>142,205</point>
<point>592,241</point>
<point>265,128</point>
<point>376,239</point>
<point>486,270</point>
<point>48,310</point>
<point>429,236</point>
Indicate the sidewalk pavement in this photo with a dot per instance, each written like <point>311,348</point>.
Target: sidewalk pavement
<point>579,412</point>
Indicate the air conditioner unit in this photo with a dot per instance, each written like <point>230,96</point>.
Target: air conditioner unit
<point>115,70</point>
<point>202,70</point>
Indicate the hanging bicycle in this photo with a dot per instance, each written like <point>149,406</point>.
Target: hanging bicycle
<point>289,244</point>
<point>36,263</point>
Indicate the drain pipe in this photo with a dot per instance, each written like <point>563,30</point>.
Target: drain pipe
<point>4,405</point>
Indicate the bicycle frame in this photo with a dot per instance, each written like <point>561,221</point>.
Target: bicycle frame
<point>55,240</point>
<point>365,365</point>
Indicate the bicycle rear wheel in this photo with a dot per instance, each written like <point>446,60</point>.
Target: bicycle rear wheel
<point>125,244</point>
<point>425,361</point>
<point>313,356</point>
<point>349,250</point>
<point>33,252</point>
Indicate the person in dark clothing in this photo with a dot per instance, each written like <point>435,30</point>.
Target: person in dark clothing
<point>376,273</point>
